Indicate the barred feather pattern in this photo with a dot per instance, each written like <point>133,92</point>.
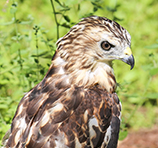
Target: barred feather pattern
<point>75,105</point>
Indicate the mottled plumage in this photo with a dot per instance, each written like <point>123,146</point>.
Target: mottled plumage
<point>75,105</point>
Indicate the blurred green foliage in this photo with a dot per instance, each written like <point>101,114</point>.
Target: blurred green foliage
<point>29,30</point>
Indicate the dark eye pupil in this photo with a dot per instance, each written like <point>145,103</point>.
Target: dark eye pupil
<point>106,45</point>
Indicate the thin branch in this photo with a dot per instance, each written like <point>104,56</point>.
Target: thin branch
<point>55,18</point>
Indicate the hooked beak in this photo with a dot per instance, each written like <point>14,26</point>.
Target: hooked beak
<point>129,59</point>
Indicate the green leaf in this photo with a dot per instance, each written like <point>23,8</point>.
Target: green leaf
<point>123,134</point>
<point>154,71</point>
<point>3,106</point>
<point>152,95</point>
<point>18,37</point>
<point>59,3</point>
<point>26,22</point>
<point>111,9</point>
<point>13,8</point>
<point>147,67</point>
<point>8,23</point>
<point>93,3</point>
<point>65,9</point>
<point>36,60</point>
<point>15,47</point>
<point>3,82</point>
<point>95,9</point>
<point>153,46</point>
<point>66,18</point>
<point>45,54</point>
<point>78,7</point>
<point>65,25</point>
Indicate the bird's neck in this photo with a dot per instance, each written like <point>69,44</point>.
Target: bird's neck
<point>98,73</point>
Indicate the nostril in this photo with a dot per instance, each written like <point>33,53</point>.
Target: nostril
<point>128,51</point>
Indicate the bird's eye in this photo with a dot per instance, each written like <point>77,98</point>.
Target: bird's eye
<point>106,45</point>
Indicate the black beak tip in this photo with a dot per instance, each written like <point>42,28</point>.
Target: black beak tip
<point>132,67</point>
<point>131,61</point>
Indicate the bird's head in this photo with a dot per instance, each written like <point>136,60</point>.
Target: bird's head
<point>99,39</point>
<point>88,49</point>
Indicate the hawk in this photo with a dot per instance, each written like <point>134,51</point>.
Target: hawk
<point>75,105</point>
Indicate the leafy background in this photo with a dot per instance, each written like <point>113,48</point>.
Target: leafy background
<point>30,29</point>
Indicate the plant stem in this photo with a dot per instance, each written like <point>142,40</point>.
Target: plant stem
<point>16,30</point>
<point>55,19</point>
<point>37,55</point>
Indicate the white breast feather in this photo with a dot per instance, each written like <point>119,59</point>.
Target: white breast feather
<point>60,140</point>
<point>92,122</point>
<point>107,135</point>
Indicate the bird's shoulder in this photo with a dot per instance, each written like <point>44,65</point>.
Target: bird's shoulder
<point>53,113</point>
